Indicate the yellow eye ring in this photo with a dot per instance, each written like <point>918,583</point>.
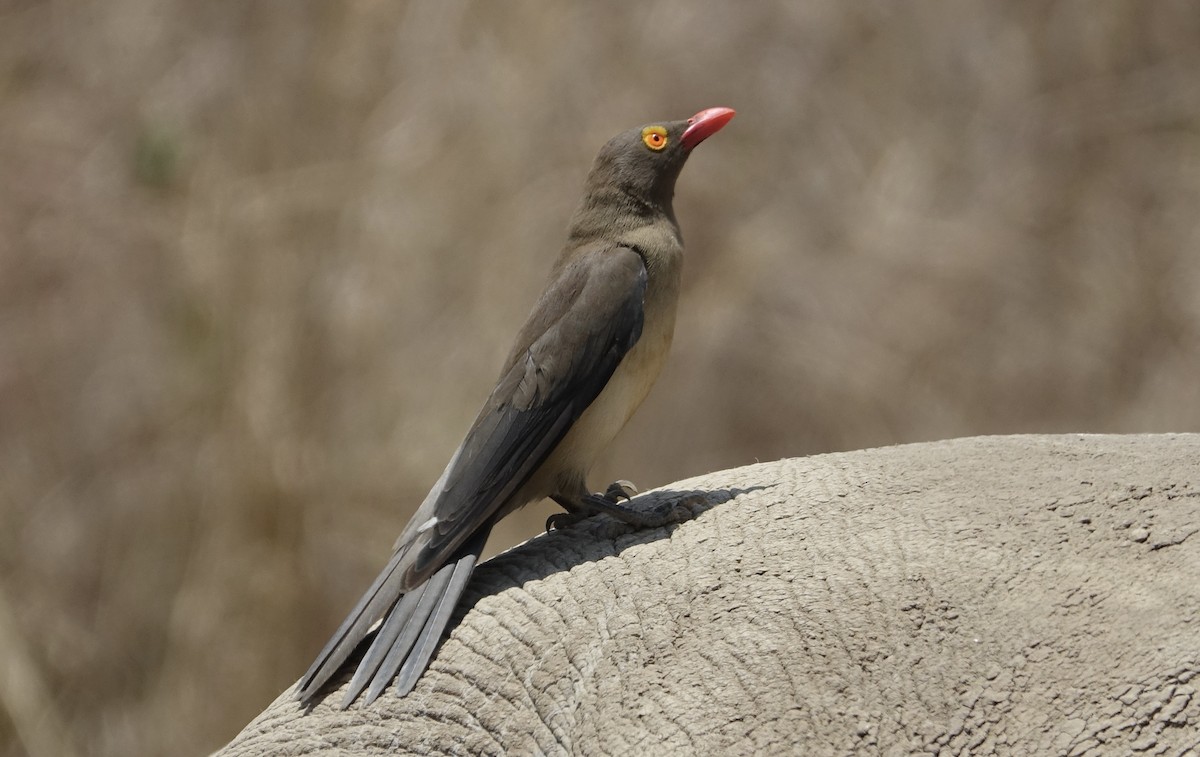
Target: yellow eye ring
<point>654,137</point>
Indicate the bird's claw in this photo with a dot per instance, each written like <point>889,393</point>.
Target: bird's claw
<point>599,503</point>
<point>559,521</point>
<point>619,490</point>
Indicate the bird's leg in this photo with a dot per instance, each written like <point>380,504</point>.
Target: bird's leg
<point>576,510</point>
<point>586,504</point>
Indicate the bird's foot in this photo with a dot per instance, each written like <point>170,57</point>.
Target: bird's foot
<point>590,504</point>
<point>661,514</point>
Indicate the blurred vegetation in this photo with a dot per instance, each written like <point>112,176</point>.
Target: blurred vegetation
<point>260,262</point>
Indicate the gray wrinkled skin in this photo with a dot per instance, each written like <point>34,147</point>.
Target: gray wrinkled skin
<point>999,595</point>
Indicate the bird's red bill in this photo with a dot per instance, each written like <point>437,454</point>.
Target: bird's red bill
<point>705,124</point>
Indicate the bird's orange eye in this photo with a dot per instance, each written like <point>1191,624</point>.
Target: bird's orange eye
<point>655,137</point>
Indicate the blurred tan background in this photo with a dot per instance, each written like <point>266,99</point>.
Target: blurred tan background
<point>260,262</point>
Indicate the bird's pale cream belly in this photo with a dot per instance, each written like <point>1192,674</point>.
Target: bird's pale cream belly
<point>607,415</point>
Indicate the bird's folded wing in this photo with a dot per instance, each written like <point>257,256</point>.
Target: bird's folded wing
<point>583,325</point>
<point>581,328</point>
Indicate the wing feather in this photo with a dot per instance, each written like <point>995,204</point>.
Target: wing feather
<point>590,316</point>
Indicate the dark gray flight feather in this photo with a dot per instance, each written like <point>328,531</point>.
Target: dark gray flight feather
<point>581,328</point>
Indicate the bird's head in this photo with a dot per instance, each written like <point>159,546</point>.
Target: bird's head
<point>642,164</point>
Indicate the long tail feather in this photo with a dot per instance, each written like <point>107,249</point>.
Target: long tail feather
<point>419,658</point>
<point>387,655</point>
<point>413,624</point>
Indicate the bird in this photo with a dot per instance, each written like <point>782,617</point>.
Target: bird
<point>585,359</point>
